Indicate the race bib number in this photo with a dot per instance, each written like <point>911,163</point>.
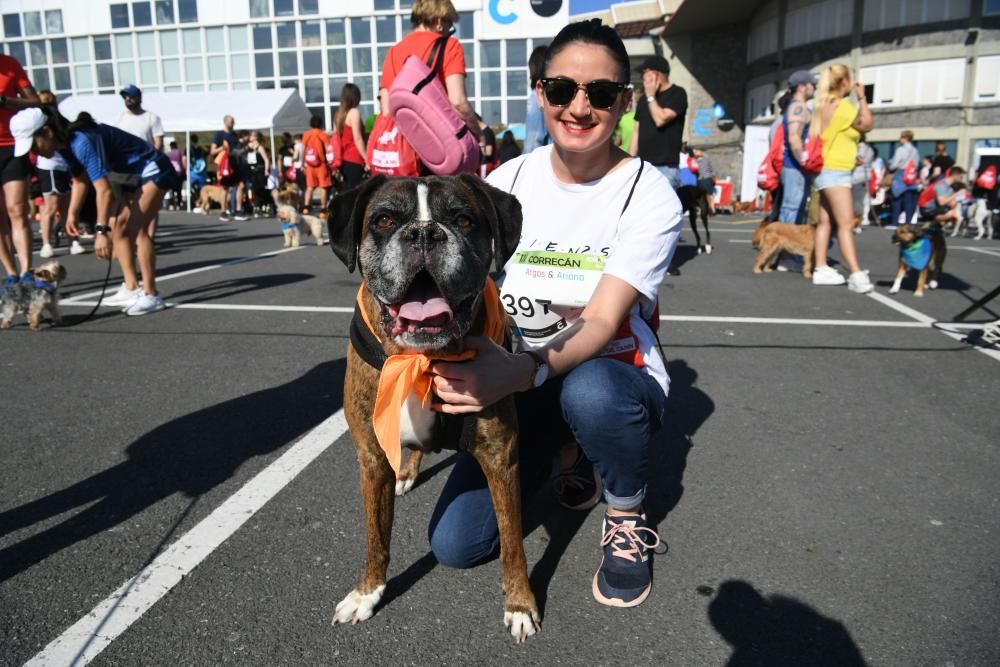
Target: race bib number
<point>545,292</point>
<point>252,158</point>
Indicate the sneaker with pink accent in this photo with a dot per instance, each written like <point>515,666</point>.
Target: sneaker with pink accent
<point>579,487</point>
<point>624,578</point>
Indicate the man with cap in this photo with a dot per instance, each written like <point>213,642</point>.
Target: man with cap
<point>16,93</point>
<point>659,119</point>
<point>135,120</point>
<point>794,182</point>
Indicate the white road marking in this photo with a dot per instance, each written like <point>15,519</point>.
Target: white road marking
<point>928,321</point>
<point>992,252</point>
<point>740,241</point>
<point>83,641</point>
<point>75,299</point>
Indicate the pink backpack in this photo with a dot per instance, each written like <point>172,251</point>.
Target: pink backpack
<point>423,113</point>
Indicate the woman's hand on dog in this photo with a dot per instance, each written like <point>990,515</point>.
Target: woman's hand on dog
<point>470,386</point>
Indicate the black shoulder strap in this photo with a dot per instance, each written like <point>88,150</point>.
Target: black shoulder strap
<point>435,62</point>
<point>364,341</point>
<point>516,174</point>
<point>635,182</point>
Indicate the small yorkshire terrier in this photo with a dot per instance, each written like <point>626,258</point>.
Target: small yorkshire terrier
<point>34,298</point>
<point>293,224</point>
<point>289,194</point>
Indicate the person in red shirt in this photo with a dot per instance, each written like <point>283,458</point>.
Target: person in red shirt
<point>431,19</point>
<point>16,93</point>
<point>347,125</point>
<point>318,175</point>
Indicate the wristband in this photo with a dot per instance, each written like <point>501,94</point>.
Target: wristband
<point>101,229</point>
<point>650,99</point>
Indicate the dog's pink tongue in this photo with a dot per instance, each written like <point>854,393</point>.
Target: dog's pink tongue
<point>419,311</point>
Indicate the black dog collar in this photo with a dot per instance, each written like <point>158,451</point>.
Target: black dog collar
<point>364,341</point>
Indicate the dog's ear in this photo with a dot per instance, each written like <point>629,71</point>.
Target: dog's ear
<point>346,214</point>
<point>504,212</point>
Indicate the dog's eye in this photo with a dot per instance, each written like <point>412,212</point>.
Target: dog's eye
<point>383,222</point>
<point>463,222</point>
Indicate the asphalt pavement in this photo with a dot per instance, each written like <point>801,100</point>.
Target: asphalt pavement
<point>178,489</point>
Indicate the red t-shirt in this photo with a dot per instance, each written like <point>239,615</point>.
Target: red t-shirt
<point>12,81</point>
<point>420,44</point>
<point>347,145</point>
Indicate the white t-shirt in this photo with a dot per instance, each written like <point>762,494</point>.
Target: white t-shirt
<point>572,234</point>
<point>145,125</point>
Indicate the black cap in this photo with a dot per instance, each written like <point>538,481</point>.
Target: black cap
<point>658,63</point>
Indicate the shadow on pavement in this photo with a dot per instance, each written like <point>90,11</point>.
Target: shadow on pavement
<point>223,289</point>
<point>778,631</point>
<point>191,454</point>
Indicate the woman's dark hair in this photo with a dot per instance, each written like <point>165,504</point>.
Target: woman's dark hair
<point>350,98</point>
<point>507,138</point>
<point>62,128</point>
<point>536,64</point>
<point>591,32</point>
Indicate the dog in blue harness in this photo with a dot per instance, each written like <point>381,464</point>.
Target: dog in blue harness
<point>34,295</point>
<point>922,249</point>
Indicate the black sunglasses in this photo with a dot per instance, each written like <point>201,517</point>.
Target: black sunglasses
<point>602,93</point>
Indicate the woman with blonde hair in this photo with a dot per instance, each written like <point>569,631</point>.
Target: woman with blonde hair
<point>347,126</point>
<point>840,124</point>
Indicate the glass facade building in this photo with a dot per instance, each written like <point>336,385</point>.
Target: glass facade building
<point>314,46</point>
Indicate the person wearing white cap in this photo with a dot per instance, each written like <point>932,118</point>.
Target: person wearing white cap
<point>103,154</point>
<point>16,93</point>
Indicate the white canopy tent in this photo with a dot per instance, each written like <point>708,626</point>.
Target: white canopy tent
<point>274,110</point>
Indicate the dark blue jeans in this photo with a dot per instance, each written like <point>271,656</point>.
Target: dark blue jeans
<point>907,202</point>
<point>611,409</point>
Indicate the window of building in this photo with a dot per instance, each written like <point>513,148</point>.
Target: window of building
<point>887,14</point>
<point>119,16</point>
<point>336,61</point>
<point>991,7</point>
<point>335,32</point>
<point>53,22</point>
<point>168,43</point>
<point>16,51</point>
<point>149,72</point>
<point>808,21</point>
<point>194,69</point>
<point>362,60</point>
<point>105,75</point>
<point>288,63</point>
<point>126,72</point>
<point>32,23</point>
<point>465,28</point>
<point>37,51</point>
<point>171,70</point>
<point>81,49</point>
<point>311,33</point>
<point>385,29</point>
<point>187,11</point>
<point>987,79</point>
<point>215,40</point>
<point>238,39</point>
<point>758,101</point>
<point>284,8</point>
<point>217,68</point>
<point>241,66</point>
<point>84,77</point>
<point>489,54</point>
<point>916,83</point>
<point>264,64</point>
<point>102,47</point>
<point>123,45</point>
<point>762,39</point>
<point>146,42</point>
<point>308,7</point>
<point>60,51</point>
<point>312,63</point>
<point>260,9</point>
<point>361,31</point>
<point>40,79</point>
<point>142,14</point>
<point>286,35</point>
<point>164,12</point>
<point>314,91</point>
<point>192,40</point>
<point>12,25</point>
<point>262,37</point>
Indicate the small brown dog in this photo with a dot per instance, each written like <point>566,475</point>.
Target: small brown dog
<point>778,236</point>
<point>288,195</point>
<point>212,194</point>
<point>34,298</point>
<point>922,249</point>
<point>744,206</point>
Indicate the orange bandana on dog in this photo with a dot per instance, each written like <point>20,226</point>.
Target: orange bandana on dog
<point>406,372</point>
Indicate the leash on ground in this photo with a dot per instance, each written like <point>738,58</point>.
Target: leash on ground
<point>104,288</point>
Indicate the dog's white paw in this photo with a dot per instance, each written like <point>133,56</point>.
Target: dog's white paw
<point>357,607</point>
<point>403,486</point>
<point>521,624</point>
<point>933,284</point>
<point>708,249</point>
<point>918,294</point>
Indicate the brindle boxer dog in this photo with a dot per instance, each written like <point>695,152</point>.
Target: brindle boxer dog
<point>425,248</point>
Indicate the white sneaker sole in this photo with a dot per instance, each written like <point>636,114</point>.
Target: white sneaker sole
<point>146,311</point>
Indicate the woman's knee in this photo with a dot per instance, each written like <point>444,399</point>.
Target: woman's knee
<point>454,549</point>
<point>595,390</point>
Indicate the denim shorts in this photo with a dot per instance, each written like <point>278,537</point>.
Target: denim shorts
<point>832,178</point>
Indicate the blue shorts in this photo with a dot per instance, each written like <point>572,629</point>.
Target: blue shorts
<point>832,178</point>
<point>161,173</point>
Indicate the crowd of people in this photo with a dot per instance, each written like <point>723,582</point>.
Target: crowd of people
<point>589,381</point>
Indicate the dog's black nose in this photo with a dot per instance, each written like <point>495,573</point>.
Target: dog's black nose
<point>424,233</point>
